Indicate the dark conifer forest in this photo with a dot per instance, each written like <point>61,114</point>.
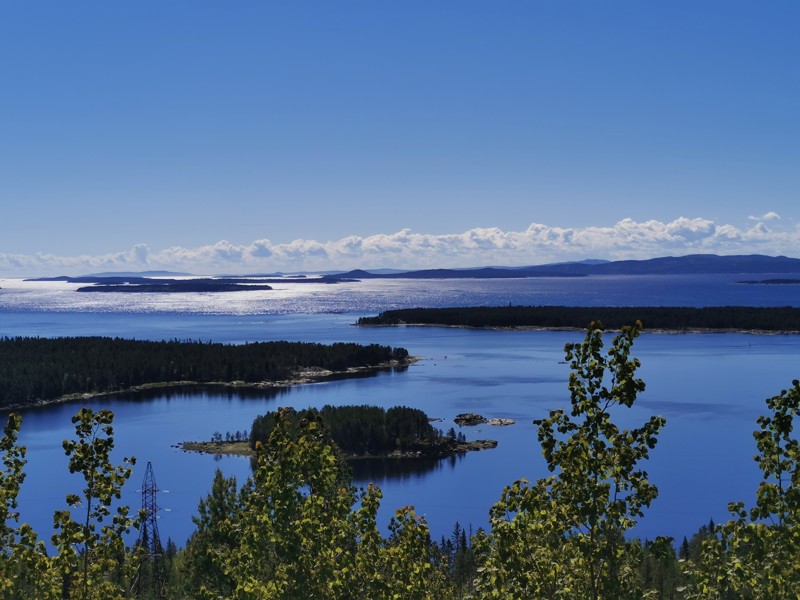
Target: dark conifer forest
<point>673,318</point>
<point>36,370</point>
<point>368,430</point>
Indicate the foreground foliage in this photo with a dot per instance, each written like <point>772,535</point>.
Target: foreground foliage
<point>756,554</point>
<point>91,559</point>
<point>564,536</point>
<point>299,529</point>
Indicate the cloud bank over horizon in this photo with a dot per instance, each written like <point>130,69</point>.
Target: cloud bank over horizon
<point>405,249</point>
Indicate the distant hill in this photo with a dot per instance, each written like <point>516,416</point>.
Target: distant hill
<point>701,264</point>
<point>481,273</point>
<point>693,264</point>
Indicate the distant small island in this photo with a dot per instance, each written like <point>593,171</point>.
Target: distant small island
<point>666,318</point>
<point>189,285</point>
<point>470,419</point>
<point>772,282</point>
<point>133,284</point>
<point>359,432</point>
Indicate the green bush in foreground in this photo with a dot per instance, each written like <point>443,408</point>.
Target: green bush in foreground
<point>756,554</point>
<point>564,536</point>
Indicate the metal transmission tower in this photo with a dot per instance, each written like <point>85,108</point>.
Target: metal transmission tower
<point>151,572</point>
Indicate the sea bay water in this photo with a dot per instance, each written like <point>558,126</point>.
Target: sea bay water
<point>710,387</point>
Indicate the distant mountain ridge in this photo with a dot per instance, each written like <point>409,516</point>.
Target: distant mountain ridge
<point>701,264</point>
<point>693,264</point>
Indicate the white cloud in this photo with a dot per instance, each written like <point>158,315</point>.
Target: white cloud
<point>405,249</point>
<point>140,253</point>
<point>768,216</point>
<point>261,249</point>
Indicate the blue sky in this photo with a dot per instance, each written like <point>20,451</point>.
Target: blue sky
<point>252,136</point>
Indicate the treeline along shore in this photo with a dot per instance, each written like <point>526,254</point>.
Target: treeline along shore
<point>667,318</point>
<point>37,371</point>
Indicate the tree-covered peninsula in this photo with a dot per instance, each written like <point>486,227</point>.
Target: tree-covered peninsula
<point>40,370</point>
<point>669,318</point>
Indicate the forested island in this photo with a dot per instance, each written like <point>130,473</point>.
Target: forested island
<point>668,318</point>
<point>357,431</point>
<point>373,431</point>
<point>36,371</point>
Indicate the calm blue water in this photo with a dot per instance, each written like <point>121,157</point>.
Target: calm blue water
<point>710,387</point>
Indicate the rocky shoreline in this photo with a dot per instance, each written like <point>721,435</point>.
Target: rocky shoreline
<point>470,419</point>
<point>243,449</point>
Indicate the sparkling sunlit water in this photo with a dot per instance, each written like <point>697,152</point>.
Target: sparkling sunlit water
<point>710,387</point>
